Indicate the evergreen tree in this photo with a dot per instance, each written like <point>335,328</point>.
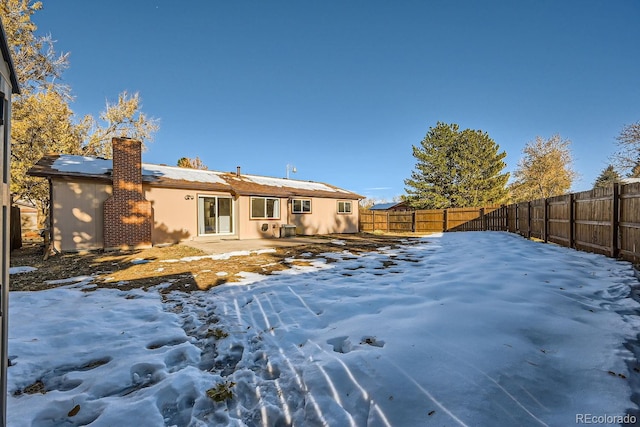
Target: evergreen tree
<point>545,170</point>
<point>456,168</point>
<point>607,177</point>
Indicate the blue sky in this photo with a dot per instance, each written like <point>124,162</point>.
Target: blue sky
<point>343,89</point>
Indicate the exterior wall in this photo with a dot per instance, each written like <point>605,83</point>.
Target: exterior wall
<point>175,214</point>
<point>324,218</point>
<point>79,221</point>
<point>252,228</point>
<point>78,214</point>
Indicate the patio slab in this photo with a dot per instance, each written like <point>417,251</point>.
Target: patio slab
<point>225,246</point>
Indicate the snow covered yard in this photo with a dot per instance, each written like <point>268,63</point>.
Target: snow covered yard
<point>477,329</point>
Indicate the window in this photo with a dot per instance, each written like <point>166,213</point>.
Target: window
<point>265,207</point>
<point>301,206</point>
<point>344,207</point>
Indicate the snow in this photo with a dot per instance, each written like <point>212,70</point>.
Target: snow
<point>98,166</point>
<point>291,183</point>
<point>82,164</point>
<point>21,269</point>
<point>223,256</point>
<point>477,329</point>
<point>183,174</point>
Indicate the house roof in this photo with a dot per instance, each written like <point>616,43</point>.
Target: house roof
<point>384,206</point>
<point>66,166</point>
<point>6,54</point>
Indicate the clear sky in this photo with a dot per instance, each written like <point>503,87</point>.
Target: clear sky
<point>343,89</point>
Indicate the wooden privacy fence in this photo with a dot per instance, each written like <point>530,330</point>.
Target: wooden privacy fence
<point>602,220</point>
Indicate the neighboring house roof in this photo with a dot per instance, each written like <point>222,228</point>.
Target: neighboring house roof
<point>6,54</point>
<point>629,180</point>
<point>66,166</point>
<point>384,206</point>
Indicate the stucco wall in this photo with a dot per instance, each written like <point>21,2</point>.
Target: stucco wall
<point>175,214</point>
<point>325,219</point>
<point>78,214</point>
<point>252,228</point>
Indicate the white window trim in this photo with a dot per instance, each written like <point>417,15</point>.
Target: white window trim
<point>265,208</point>
<point>344,202</point>
<point>301,205</point>
<point>233,214</point>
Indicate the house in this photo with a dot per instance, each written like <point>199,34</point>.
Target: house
<point>393,206</point>
<point>122,203</point>
<point>8,87</point>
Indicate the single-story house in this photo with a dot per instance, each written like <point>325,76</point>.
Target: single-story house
<point>393,206</point>
<point>101,203</point>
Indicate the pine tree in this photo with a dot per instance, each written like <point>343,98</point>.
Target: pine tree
<point>456,169</point>
<point>607,177</point>
<point>545,170</point>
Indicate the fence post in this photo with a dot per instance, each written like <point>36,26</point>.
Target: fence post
<point>388,230</point>
<point>483,219</point>
<point>546,220</point>
<point>528,220</point>
<point>446,220</point>
<point>615,220</point>
<point>505,209</point>
<point>572,220</point>
<point>517,228</point>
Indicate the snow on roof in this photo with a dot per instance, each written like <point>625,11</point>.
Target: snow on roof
<point>290,183</point>
<point>99,166</point>
<point>182,174</point>
<point>82,164</point>
<point>629,180</point>
<point>96,166</point>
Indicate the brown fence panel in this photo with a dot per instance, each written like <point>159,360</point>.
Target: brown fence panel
<point>523,219</point>
<point>429,221</point>
<point>15,238</point>
<point>366,220</point>
<point>538,218</point>
<point>401,221</point>
<point>380,220</point>
<point>512,218</point>
<point>593,220</point>
<point>559,220</point>
<point>629,222</point>
<point>464,219</point>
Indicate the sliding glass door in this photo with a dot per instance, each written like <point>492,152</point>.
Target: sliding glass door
<point>215,215</point>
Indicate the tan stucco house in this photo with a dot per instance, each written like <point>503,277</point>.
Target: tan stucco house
<point>102,203</point>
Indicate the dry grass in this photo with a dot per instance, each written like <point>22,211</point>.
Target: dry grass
<point>120,270</point>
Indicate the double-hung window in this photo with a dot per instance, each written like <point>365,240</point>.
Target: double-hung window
<point>265,208</point>
<point>301,206</point>
<point>344,207</point>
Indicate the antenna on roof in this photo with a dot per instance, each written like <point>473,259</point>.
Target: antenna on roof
<point>292,169</point>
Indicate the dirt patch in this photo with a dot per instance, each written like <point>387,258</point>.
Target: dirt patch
<point>164,265</point>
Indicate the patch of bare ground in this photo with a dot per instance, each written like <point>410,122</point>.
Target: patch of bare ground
<point>164,265</point>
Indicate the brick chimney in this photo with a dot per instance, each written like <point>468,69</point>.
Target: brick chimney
<point>127,214</point>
